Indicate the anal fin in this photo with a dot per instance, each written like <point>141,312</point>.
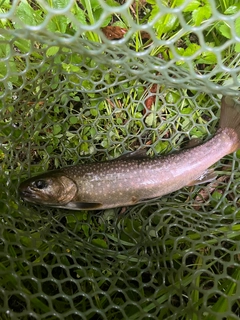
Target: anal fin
<point>207,176</point>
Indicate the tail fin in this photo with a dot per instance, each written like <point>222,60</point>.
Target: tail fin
<point>230,119</point>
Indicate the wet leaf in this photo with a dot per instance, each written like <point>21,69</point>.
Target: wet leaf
<point>150,100</point>
<point>145,35</point>
<point>113,32</point>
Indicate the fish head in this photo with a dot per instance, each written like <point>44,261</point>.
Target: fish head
<point>48,189</point>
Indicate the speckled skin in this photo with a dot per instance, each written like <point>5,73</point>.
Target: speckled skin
<point>130,180</point>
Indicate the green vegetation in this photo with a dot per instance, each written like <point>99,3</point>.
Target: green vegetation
<point>70,95</point>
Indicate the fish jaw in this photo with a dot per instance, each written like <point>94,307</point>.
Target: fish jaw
<point>27,194</point>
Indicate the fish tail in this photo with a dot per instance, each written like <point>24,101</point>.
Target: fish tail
<point>230,120</point>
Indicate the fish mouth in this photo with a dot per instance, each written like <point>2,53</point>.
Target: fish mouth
<point>27,194</point>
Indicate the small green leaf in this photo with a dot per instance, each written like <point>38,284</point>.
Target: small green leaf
<point>59,4</point>
<point>94,112</point>
<point>166,23</point>
<point>225,31</point>
<point>105,144</point>
<point>149,119</point>
<point>237,26</point>
<point>56,109</point>
<point>201,14</point>
<point>100,243</point>
<point>52,51</point>
<point>94,4</point>
<point>56,129</point>
<point>93,131</point>
<point>232,9</point>
<point>112,3</point>
<point>229,210</point>
<point>85,229</point>
<point>84,147</point>
<point>86,130</point>
<point>177,3</point>
<point>153,2</point>
<point>197,132</point>
<point>238,154</point>
<point>207,57</point>
<point>27,15</point>
<point>217,195</point>
<point>237,47</point>
<point>73,120</point>
<point>108,20</point>
<point>79,15</point>
<point>58,24</point>
<point>70,67</point>
<point>186,110</point>
<point>172,97</point>
<point>119,121</point>
<point>108,215</point>
<point>189,51</point>
<point>24,45</point>
<point>49,149</point>
<point>138,115</point>
<point>162,146</point>
<point>193,5</point>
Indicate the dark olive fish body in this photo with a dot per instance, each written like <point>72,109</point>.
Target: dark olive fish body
<point>132,179</point>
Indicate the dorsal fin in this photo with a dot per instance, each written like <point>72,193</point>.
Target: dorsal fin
<point>207,176</point>
<point>138,154</point>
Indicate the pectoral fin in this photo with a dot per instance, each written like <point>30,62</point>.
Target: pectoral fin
<point>83,206</point>
<point>207,176</point>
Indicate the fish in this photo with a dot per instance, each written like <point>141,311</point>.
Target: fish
<point>134,177</point>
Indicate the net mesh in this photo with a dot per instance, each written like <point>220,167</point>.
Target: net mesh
<point>87,81</point>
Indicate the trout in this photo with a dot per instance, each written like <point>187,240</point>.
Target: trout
<point>134,178</point>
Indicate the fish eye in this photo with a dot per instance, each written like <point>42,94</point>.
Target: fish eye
<point>40,184</point>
